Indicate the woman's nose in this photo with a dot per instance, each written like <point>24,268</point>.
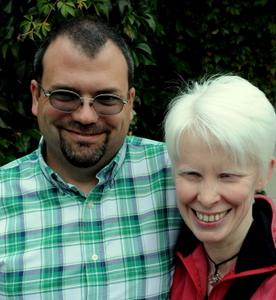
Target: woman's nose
<point>208,194</point>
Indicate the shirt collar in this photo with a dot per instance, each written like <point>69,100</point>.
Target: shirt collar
<point>104,175</point>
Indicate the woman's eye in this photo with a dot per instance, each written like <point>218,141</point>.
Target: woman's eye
<point>191,175</point>
<point>230,176</point>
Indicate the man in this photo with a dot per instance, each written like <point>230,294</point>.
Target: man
<point>91,214</point>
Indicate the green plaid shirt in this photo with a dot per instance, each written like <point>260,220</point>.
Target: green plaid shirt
<point>115,243</point>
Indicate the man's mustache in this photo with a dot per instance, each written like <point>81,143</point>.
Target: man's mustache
<point>86,128</point>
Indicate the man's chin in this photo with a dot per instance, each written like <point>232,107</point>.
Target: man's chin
<point>84,157</point>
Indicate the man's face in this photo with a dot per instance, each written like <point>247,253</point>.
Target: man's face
<point>82,138</point>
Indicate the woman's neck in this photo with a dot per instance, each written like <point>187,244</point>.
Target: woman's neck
<point>221,251</point>
<point>223,255</point>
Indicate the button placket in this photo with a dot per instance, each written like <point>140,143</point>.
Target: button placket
<point>94,257</point>
<point>90,204</point>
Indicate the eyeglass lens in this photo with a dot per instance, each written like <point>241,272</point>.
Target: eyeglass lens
<point>105,104</point>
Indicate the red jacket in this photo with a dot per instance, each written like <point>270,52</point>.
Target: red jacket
<point>254,271</point>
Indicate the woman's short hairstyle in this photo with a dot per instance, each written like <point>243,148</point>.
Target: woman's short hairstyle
<point>224,110</point>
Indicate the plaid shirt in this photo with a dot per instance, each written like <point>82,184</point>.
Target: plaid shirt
<point>115,243</point>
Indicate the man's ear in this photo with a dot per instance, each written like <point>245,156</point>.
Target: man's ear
<point>131,95</point>
<point>262,184</point>
<point>35,96</point>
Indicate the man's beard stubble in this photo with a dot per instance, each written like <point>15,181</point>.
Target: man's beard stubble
<point>85,154</point>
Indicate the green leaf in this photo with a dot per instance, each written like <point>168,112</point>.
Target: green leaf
<point>46,8</point>
<point>33,132</point>
<point>71,11</point>
<point>130,18</point>
<point>3,124</point>
<point>14,49</point>
<point>4,49</point>
<point>123,4</point>
<point>45,28</point>
<point>180,47</point>
<point>4,143</point>
<point>179,25</point>
<point>64,11</point>
<point>8,8</point>
<point>29,18</point>
<point>22,142</point>
<point>191,32</point>
<point>150,21</point>
<point>260,2</point>
<point>3,104</point>
<point>25,23</point>
<point>102,8</point>
<point>60,4</point>
<point>236,28</point>
<point>70,4</point>
<point>9,33</point>
<point>32,11</point>
<point>145,60</point>
<point>233,10</point>
<point>134,57</point>
<point>38,34</point>
<point>217,59</point>
<point>20,70</point>
<point>144,47</point>
<point>31,36</point>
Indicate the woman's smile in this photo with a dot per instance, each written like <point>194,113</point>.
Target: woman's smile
<point>210,217</point>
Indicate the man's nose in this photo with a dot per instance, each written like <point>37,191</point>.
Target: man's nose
<point>85,114</point>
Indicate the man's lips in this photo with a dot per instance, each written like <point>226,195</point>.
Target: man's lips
<point>84,136</point>
<point>210,217</point>
<point>83,133</point>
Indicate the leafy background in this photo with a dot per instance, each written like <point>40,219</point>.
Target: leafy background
<point>170,41</point>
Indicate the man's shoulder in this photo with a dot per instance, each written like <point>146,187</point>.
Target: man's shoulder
<point>145,143</point>
<point>21,163</point>
<point>151,152</point>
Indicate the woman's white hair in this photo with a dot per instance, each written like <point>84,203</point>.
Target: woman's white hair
<point>224,110</point>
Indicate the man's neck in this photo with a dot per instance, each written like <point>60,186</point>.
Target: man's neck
<point>83,178</point>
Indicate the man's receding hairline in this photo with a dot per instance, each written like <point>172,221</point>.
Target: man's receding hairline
<point>65,36</point>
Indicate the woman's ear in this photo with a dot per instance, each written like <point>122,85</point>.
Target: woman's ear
<point>262,184</point>
<point>270,169</point>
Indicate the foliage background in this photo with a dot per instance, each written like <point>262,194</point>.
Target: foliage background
<point>170,41</point>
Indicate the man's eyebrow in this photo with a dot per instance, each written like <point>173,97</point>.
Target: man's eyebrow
<point>58,86</point>
<point>108,91</point>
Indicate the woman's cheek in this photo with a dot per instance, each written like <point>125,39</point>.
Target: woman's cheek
<point>185,192</point>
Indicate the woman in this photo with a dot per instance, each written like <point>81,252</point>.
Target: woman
<point>221,137</point>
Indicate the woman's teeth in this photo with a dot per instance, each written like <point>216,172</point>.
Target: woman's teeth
<point>210,218</point>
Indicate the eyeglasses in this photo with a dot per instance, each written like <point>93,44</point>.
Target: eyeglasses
<point>68,102</point>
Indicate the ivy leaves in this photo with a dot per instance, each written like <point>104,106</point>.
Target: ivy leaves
<point>168,44</point>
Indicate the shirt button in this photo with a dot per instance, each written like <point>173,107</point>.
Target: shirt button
<point>94,257</point>
<point>90,204</point>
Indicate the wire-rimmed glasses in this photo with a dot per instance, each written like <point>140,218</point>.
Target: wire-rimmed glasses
<point>67,101</point>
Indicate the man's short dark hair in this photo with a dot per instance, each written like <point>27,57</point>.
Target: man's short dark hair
<point>89,34</point>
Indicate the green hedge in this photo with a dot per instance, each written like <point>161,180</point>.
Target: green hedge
<point>170,41</point>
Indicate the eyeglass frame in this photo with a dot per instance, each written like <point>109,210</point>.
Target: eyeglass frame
<point>48,94</point>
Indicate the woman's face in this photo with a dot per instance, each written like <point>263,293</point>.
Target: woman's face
<point>214,195</point>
